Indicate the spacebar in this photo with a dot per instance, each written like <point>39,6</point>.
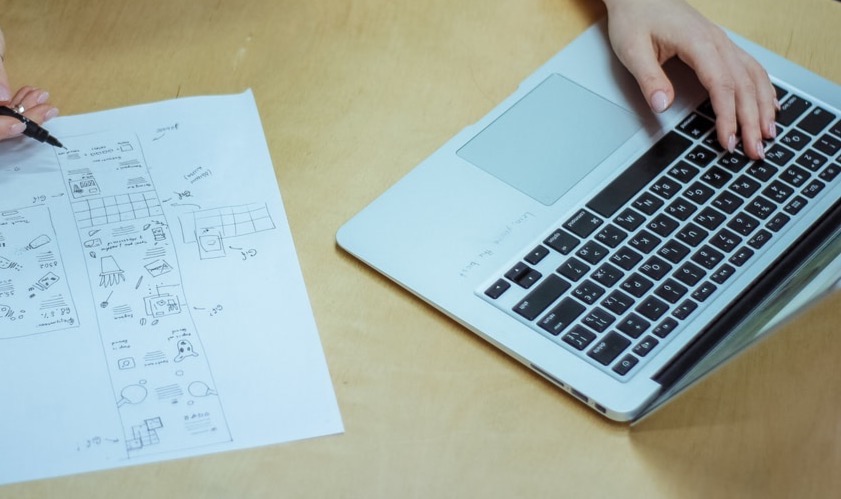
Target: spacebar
<point>639,174</point>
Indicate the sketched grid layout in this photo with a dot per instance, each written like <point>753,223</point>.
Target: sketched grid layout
<point>110,209</point>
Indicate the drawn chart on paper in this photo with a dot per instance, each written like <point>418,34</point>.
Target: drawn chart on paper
<point>209,229</point>
<point>34,294</point>
<point>153,348</point>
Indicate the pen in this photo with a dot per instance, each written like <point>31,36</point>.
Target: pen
<point>33,129</point>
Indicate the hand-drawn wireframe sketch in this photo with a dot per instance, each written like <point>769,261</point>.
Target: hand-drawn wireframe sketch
<point>210,228</point>
<point>114,199</point>
<point>33,287</point>
<point>200,389</point>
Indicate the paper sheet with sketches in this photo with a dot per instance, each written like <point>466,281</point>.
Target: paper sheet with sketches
<point>151,303</point>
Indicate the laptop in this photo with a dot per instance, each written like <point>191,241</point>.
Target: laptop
<point>621,255</point>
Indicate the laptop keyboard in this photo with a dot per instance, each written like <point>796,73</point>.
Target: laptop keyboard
<point>614,281</point>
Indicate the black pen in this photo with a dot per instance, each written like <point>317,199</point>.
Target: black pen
<point>33,129</point>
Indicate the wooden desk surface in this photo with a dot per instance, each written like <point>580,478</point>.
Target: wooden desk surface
<point>352,95</point>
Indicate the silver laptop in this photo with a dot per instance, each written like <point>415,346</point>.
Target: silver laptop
<point>619,254</point>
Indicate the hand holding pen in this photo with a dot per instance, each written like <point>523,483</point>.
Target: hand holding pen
<point>23,113</point>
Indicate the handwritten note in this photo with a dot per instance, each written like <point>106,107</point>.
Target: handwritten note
<point>151,302</point>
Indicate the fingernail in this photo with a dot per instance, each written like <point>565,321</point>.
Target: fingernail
<point>16,129</point>
<point>760,148</point>
<point>52,113</point>
<point>772,131</point>
<point>659,101</point>
<point>5,94</point>
<point>777,104</point>
<point>731,143</point>
<point>43,97</point>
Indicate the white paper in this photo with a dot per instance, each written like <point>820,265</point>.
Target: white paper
<point>151,302</point>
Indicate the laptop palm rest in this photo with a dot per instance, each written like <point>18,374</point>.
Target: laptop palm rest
<point>551,139</point>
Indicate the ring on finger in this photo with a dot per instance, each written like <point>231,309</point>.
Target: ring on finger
<point>20,109</point>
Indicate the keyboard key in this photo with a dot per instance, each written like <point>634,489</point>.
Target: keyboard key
<point>579,338</point>
<point>573,269</point>
<point>637,285</point>
<point>716,177</point>
<point>618,302</point>
<point>741,256</point>
<point>655,268</point>
<point>795,205</point>
<point>779,155</point>
<point>543,295</point>
<point>629,219</point>
<point>633,325</point>
<point>812,160</point>
<point>795,176</point>
<point>652,309</point>
<point>728,202</point>
<point>699,193</point>
<point>743,224</point>
<point>759,239</point>
<point>760,207</point>
<point>704,291</point>
<point>836,129</point>
<point>625,365</point>
<point>665,188</point>
<point>523,275</point>
<point>685,309</point>
<point>762,171</point>
<point>791,109</point>
<point>611,236</point>
<point>662,225</point>
<point>673,251</point>
<point>583,223</point>
<point>795,140</point>
<point>497,289</point>
<point>648,203</point>
<point>723,273</point>
<point>733,161</point>
<point>562,241</point>
<point>681,209</point>
<point>560,317</point>
<point>745,186</point>
<point>695,126</point>
<point>689,274</point>
<point>778,191</point>
<point>588,292</point>
<point>644,241</point>
<point>607,275</point>
<point>692,234</point>
<point>626,258</point>
<point>707,257</point>
<point>710,218</point>
<point>645,346</point>
<point>609,348</point>
<point>592,252</point>
<point>813,189</point>
<point>816,120</point>
<point>598,320</point>
<point>830,172</point>
<point>701,156</point>
<point>671,291</point>
<point>536,255</point>
<point>777,222</point>
<point>828,145</point>
<point>725,240</point>
<point>639,174</point>
<point>665,328</point>
<point>684,172</point>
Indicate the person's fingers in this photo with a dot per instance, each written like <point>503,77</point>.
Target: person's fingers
<point>10,127</point>
<point>5,89</point>
<point>29,97</point>
<point>640,58</point>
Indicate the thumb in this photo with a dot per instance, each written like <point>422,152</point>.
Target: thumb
<point>652,80</point>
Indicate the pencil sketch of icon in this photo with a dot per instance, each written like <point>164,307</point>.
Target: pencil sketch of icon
<point>38,242</point>
<point>111,274</point>
<point>46,281</point>
<point>211,246</point>
<point>126,363</point>
<point>158,268</point>
<point>93,243</point>
<point>133,394</point>
<point>145,434</point>
<point>6,264</point>
<point>162,305</point>
<point>84,186</point>
<point>200,389</point>
<point>159,234</point>
<point>185,349</point>
<point>6,312</point>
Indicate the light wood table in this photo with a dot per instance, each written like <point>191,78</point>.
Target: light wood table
<point>352,95</point>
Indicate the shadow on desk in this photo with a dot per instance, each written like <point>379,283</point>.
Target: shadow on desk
<point>768,424</point>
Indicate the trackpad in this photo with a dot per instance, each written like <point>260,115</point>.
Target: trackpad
<point>551,139</point>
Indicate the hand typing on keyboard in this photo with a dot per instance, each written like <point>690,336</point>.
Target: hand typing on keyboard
<point>646,33</point>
